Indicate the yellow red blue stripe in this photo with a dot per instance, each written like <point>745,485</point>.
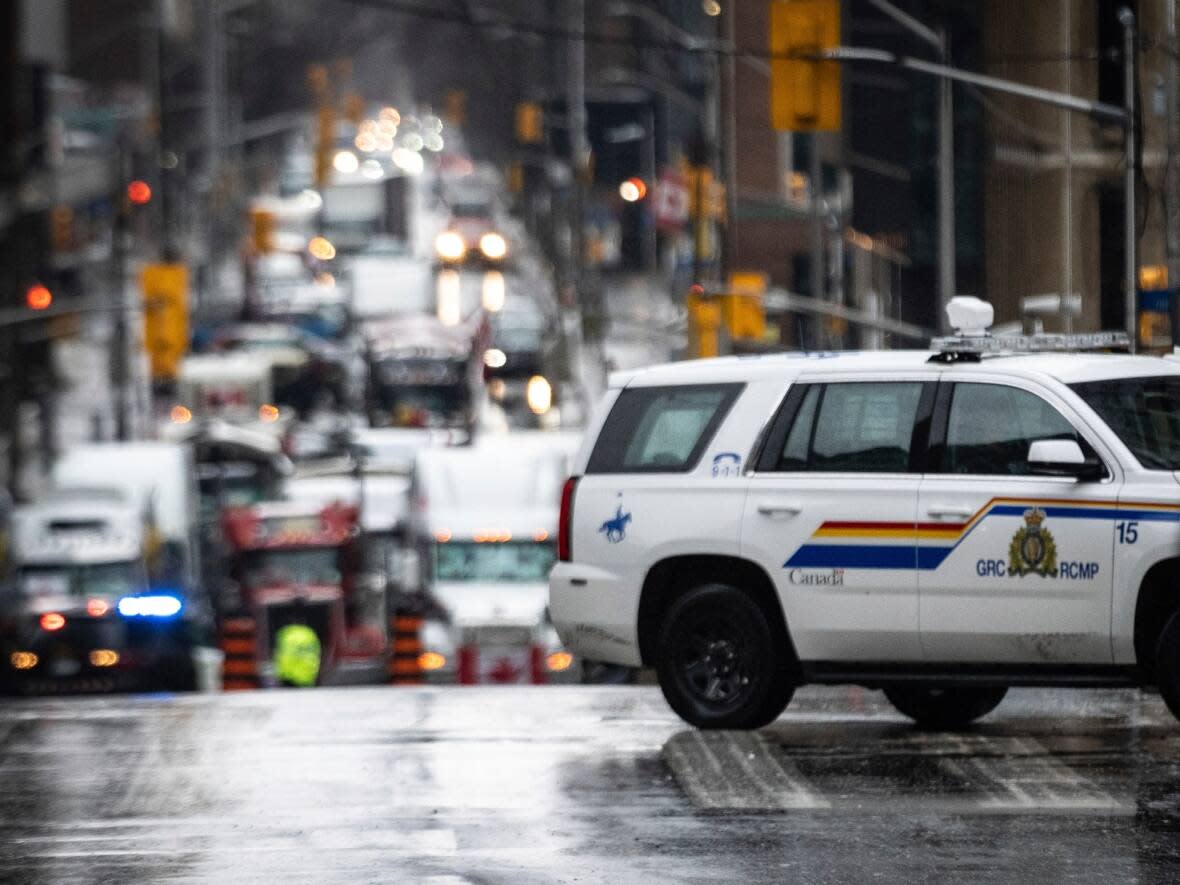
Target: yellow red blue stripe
<point>926,557</point>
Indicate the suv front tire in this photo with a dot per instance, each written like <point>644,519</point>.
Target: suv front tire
<point>720,663</point>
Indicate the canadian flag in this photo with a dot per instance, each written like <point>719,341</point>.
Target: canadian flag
<point>671,200</point>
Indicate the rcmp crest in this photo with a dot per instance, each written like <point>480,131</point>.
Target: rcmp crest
<point>1033,550</point>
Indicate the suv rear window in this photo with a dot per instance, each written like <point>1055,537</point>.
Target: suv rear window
<point>660,429</point>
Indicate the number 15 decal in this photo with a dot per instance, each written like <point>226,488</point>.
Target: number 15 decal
<point>1128,532</point>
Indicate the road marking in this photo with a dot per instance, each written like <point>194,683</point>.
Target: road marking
<point>741,771</point>
<point>1029,778</point>
<point>736,770</point>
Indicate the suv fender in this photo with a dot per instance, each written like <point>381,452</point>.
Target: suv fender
<point>1158,601</point>
<point>670,578</point>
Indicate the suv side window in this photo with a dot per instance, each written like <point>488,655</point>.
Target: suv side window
<point>853,427</point>
<point>990,427</point>
<point>660,429</point>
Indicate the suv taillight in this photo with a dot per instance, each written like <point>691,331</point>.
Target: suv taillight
<point>565,520</point>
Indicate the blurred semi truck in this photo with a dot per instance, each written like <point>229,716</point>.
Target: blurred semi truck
<point>105,592</point>
<point>486,517</point>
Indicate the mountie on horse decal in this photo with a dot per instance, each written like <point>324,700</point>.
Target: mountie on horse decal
<point>616,529</point>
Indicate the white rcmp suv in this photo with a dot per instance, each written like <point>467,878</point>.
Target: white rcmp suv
<point>941,525</point>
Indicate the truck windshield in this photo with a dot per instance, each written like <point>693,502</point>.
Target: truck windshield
<point>424,406</point>
<point>96,579</point>
<point>308,565</point>
<point>514,562</point>
<point>474,209</point>
<point>1143,412</point>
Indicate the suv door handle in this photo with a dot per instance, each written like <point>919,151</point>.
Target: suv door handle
<point>777,510</point>
<point>943,510</point>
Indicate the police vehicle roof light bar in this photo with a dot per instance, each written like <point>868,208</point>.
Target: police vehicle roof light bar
<point>1045,343</point>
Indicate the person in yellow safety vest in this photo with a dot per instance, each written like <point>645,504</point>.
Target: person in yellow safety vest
<point>297,655</point>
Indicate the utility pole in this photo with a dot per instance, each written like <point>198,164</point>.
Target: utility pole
<point>579,150</point>
<point>1130,280</point>
<point>711,125</point>
<point>1172,183</point>
<point>163,137</point>
<point>730,257</point>
<point>946,187</point>
<point>118,354</point>
<point>214,77</point>
<point>815,176</point>
<point>11,170</point>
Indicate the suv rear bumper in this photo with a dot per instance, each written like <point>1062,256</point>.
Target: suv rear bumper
<point>595,613</point>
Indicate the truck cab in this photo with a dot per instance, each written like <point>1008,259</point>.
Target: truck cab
<point>487,520</point>
<point>236,388</point>
<point>422,373</point>
<point>81,613</point>
<point>295,563</point>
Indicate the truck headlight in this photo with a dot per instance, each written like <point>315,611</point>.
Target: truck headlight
<point>493,246</point>
<point>450,246</point>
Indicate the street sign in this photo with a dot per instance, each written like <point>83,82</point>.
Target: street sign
<point>672,200</point>
<point>165,311</point>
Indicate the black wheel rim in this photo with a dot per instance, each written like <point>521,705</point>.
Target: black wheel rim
<point>714,662</point>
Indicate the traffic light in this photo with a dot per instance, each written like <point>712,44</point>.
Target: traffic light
<point>633,190</point>
<point>530,123</point>
<point>38,297</point>
<point>139,193</point>
<point>804,93</point>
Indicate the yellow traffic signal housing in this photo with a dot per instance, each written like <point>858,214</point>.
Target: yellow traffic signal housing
<point>804,93</point>
<point>262,230</point>
<point>741,307</point>
<point>704,323</point>
<point>165,317</point>
<point>530,123</point>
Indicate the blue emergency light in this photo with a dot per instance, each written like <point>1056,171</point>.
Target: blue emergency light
<point>152,605</point>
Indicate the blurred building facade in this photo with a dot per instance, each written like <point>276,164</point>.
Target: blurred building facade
<point>1038,191</point>
<point>1054,181</point>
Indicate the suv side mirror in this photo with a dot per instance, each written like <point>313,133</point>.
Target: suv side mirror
<point>1062,457</point>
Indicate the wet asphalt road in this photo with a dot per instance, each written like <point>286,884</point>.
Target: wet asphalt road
<point>581,785</point>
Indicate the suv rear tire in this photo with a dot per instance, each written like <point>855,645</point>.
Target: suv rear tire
<point>720,664</point>
<point>1167,664</point>
<point>940,708</point>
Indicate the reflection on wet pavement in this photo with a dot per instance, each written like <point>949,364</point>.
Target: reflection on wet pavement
<point>599,784</point>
